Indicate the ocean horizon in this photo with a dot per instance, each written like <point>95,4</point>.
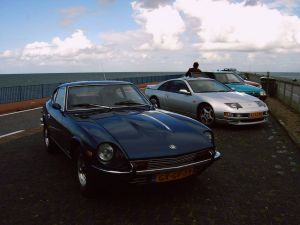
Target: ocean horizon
<point>10,80</point>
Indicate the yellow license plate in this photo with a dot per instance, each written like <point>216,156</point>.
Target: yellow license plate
<point>164,177</point>
<point>256,115</point>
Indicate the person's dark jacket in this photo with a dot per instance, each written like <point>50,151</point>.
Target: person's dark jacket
<point>191,71</point>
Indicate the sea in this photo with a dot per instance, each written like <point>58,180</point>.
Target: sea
<point>10,80</point>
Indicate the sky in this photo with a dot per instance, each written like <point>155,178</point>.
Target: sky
<point>149,35</point>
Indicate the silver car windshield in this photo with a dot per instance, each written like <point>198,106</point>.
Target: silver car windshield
<point>200,86</point>
<point>104,96</point>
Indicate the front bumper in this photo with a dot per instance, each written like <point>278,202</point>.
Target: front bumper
<point>242,118</point>
<point>146,176</point>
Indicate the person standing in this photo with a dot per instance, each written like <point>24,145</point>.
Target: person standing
<point>194,69</point>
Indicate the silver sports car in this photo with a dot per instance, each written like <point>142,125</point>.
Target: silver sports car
<point>208,100</point>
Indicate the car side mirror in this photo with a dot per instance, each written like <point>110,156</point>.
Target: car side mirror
<point>56,106</point>
<point>184,91</point>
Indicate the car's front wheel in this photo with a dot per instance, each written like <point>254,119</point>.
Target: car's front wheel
<point>48,143</point>
<point>206,115</point>
<point>85,179</point>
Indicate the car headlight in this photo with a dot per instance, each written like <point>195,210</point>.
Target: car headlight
<point>105,152</point>
<point>209,136</point>
<point>262,93</point>
<point>261,104</point>
<point>234,105</point>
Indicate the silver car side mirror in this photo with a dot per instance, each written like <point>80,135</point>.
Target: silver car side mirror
<point>184,91</point>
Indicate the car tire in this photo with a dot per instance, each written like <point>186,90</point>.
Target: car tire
<point>83,175</point>
<point>155,102</point>
<point>48,142</point>
<point>206,115</point>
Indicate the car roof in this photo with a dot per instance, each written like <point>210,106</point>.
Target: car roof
<point>99,82</point>
<point>193,78</point>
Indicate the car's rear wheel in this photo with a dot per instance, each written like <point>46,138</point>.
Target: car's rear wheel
<point>206,115</point>
<point>85,179</point>
<point>48,143</point>
<point>155,102</point>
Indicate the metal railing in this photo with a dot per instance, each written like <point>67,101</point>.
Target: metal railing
<point>286,90</point>
<point>28,92</point>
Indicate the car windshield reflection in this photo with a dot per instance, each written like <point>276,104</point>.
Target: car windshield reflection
<point>201,86</point>
<point>104,97</point>
<point>228,78</point>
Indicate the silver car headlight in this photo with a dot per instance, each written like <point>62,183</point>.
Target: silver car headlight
<point>262,93</point>
<point>209,135</point>
<point>261,104</point>
<point>105,152</point>
<point>234,105</point>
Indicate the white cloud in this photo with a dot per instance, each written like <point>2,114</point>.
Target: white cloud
<point>236,27</point>
<point>163,23</point>
<point>67,47</point>
<point>249,35</point>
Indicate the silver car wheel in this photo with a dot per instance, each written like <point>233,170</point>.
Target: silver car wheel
<point>81,171</point>
<point>155,102</point>
<point>207,115</point>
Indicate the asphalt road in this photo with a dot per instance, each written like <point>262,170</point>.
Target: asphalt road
<point>12,122</point>
<point>256,182</point>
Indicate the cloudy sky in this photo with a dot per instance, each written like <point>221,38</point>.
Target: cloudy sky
<point>148,35</point>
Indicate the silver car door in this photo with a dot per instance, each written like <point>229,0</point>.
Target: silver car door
<point>181,102</point>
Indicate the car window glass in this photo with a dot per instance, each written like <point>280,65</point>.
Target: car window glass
<point>60,97</point>
<point>54,96</point>
<point>177,85</point>
<point>164,86</point>
<point>200,86</point>
<point>227,78</point>
<point>104,95</point>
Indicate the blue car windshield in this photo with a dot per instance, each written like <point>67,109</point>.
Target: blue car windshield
<point>228,78</point>
<point>200,86</point>
<point>104,96</point>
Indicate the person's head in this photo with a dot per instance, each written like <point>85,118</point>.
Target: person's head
<point>196,65</point>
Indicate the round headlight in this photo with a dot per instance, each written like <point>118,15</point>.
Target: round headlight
<point>105,152</point>
<point>209,136</point>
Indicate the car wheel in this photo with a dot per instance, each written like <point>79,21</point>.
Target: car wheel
<point>155,102</point>
<point>206,115</point>
<point>85,180</point>
<point>48,143</point>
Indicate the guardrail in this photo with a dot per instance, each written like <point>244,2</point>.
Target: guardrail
<point>28,92</point>
<point>287,90</point>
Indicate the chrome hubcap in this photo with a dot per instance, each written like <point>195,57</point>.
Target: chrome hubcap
<point>46,138</point>
<point>81,172</point>
<point>207,116</point>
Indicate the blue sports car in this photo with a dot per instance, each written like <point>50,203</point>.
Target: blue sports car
<point>113,133</point>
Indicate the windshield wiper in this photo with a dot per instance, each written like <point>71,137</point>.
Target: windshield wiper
<point>88,105</point>
<point>128,103</point>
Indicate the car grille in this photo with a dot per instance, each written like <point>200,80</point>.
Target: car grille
<point>161,163</point>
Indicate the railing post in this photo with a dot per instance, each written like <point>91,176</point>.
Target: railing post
<point>20,93</point>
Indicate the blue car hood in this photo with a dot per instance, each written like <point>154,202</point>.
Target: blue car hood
<point>148,134</point>
<point>244,88</point>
